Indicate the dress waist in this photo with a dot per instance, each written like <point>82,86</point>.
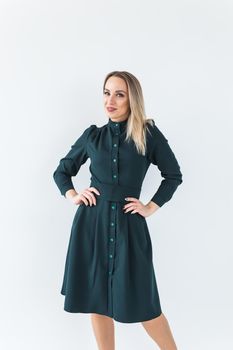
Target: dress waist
<point>114,192</point>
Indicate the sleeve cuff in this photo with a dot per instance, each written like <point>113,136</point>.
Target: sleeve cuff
<point>66,187</point>
<point>158,200</point>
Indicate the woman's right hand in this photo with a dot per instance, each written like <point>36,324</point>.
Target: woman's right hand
<point>85,197</point>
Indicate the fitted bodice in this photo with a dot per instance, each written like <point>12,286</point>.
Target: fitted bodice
<point>115,161</point>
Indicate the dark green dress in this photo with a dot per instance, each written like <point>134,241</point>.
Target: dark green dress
<point>109,265</point>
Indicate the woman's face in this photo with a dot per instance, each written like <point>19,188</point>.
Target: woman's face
<point>116,100</point>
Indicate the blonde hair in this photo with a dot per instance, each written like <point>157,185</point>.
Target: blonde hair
<point>137,121</point>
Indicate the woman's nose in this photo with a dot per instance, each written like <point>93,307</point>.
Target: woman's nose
<point>111,99</point>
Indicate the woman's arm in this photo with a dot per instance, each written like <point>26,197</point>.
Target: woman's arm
<point>71,163</point>
<point>161,155</point>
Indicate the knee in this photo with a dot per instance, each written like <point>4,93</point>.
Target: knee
<point>100,316</point>
<point>155,319</point>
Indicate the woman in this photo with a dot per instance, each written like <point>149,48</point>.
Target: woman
<point>109,267</point>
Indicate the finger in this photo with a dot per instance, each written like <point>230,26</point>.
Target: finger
<point>93,196</point>
<point>132,203</point>
<point>90,192</point>
<point>94,189</point>
<point>131,208</point>
<point>89,196</point>
<point>131,199</point>
<point>83,199</point>
<point>134,212</point>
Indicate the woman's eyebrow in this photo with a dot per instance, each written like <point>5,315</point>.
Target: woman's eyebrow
<point>117,90</point>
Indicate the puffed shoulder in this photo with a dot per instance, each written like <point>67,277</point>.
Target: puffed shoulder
<point>83,138</point>
<point>89,129</point>
<point>154,134</point>
<point>154,138</point>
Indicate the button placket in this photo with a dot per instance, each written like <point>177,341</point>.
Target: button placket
<point>113,215</point>
<point>116,132</point>
<point>115,180</point>
<point>112,234</point>
<point>111,253</point>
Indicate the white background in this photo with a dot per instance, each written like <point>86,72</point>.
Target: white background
<point>53,60</point>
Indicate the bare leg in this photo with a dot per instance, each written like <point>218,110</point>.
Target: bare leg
<point>103,327</point>
<point>159,330</point>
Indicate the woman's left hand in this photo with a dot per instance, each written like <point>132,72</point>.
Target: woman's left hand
<point>138,207</point>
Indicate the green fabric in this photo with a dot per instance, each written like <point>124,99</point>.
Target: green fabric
<point>109,264</point>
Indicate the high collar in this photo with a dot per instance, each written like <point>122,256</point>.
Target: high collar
<point>118,126</point>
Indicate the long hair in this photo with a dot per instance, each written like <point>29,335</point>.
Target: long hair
<point>137,121</point>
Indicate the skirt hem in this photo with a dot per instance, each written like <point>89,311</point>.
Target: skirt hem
<point>115,318</point>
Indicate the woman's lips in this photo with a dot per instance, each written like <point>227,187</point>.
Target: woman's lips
<point>110,109</point>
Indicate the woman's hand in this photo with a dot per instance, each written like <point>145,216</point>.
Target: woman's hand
<point>86,196</point>
<point>138,207</point>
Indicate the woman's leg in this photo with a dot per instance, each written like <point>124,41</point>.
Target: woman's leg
<point>159,330</point>
<point>103,327</point>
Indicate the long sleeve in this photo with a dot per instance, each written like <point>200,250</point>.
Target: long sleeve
<point>161,155</point>
<point>71,163</point>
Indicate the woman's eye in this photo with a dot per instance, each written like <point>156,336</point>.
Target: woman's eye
<point>106,92</point>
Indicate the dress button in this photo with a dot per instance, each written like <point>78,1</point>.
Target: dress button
<point>114,159</point>
<point>115,145</point>
<point>110,256</point>
<point>111,239</point>
<point>116,124</point>
<point>112,223</point>
<point>109,272</point>
<point>113,207</point>
<point>114,176</point>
